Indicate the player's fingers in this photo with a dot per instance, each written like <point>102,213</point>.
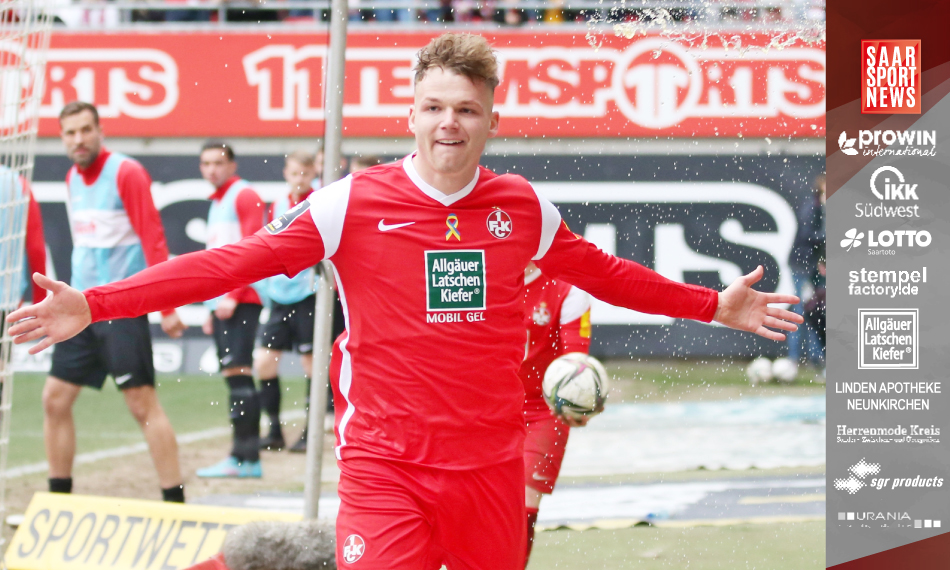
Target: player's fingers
<point>753,277</point>
<point>785,315</point>
<point>774,323</point>
<point>770,334</point>
<point>777,298</point>
<point>41,346</point>
<point>23,327</point>
<point>49,284</point>
<point>37,333</point>
<point>23,313</point>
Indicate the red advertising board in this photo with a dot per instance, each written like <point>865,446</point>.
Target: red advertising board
<point>554,84</point>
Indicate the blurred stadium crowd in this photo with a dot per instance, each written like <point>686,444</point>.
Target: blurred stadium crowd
<point>114,13</point>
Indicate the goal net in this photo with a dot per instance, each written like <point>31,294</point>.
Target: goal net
<point>24,42</point>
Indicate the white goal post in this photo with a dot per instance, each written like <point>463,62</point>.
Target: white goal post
<point>24,43</point>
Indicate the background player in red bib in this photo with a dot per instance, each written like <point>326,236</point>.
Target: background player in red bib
<point>430,254</point>
<point>557,318</point>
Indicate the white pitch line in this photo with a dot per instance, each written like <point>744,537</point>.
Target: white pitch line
<point>94,456</point>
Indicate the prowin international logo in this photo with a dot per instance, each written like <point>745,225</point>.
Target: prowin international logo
<point>885,242</point>
<point>889,143</point>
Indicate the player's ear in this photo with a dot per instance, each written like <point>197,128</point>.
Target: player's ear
<point>493,127</point>
<point>412,119</point>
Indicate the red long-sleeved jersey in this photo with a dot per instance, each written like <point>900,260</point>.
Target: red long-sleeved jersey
<point>431,286</point>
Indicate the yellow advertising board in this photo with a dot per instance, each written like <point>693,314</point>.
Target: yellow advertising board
<point>75,532</point>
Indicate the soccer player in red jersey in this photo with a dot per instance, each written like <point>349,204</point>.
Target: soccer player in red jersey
<point>429,253</point>
<point>557,320</point>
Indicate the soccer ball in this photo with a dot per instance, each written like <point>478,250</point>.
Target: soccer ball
<point>759,370</point>
<point>575,386</point>
<point>785,370</point>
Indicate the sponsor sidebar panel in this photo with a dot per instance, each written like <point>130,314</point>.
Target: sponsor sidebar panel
<point>888,235</point>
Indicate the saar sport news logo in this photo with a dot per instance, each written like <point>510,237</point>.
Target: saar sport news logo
<point>896,196</point>
<point>891,77</point>
<point>858,479</point>
<point>889,143</point>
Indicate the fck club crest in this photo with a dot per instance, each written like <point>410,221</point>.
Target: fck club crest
<point>499,224</point>
<point>353,548</point>
<point>541,315</point>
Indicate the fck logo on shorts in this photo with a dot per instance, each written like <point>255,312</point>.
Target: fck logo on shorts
<point>353,548</point>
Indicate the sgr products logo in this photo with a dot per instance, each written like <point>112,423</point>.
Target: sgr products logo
<point>889,186</point>
<point>884,283</point>
<point>880,143</point>
<point>859,472</point>
<point>888,338</point>
<point>884,242</point>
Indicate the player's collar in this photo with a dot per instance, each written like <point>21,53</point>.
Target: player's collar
<point>431,191</point>
<point>223,189</point>
<point>529,277</point>
<point>91,173</point>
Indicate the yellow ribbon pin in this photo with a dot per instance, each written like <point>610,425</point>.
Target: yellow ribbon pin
<point>452,222</point>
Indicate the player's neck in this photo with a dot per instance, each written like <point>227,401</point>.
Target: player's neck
<point>445,183</point>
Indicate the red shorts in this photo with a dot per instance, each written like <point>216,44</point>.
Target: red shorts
<point>543,449</point>
<point>399,516</point>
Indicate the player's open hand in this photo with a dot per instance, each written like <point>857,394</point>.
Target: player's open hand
<point>742,307</point>
<point>63,314</point>
<point>172,325</point>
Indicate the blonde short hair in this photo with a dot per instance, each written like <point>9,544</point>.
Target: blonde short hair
<point>468,55</point>
<point>302,157</point>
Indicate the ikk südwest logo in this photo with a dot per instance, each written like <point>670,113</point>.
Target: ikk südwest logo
<point>890,77</point>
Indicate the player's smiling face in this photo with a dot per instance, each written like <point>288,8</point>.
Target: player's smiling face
<point>452,119</point>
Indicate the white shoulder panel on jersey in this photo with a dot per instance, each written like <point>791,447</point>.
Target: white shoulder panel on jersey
<point>550,220</point>
<point>328,209</point>
<point>574,305</point>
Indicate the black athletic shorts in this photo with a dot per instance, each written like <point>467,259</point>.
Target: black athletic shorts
<point>121,348</point>
<point>234,337</point>
<point>290,327</point>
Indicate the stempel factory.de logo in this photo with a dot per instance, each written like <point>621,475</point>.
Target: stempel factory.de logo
<point>272,85</point>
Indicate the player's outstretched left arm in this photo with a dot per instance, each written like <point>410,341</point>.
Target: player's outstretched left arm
<point>63,314</point>
<point>742,307</point>
<point>624,283</point>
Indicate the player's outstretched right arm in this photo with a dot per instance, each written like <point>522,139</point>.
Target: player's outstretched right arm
<point>186,279</point>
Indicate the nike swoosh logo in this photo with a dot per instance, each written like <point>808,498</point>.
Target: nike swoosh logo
<point>383,227</point>
<point>537,477</point>
<point>123,379</point>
